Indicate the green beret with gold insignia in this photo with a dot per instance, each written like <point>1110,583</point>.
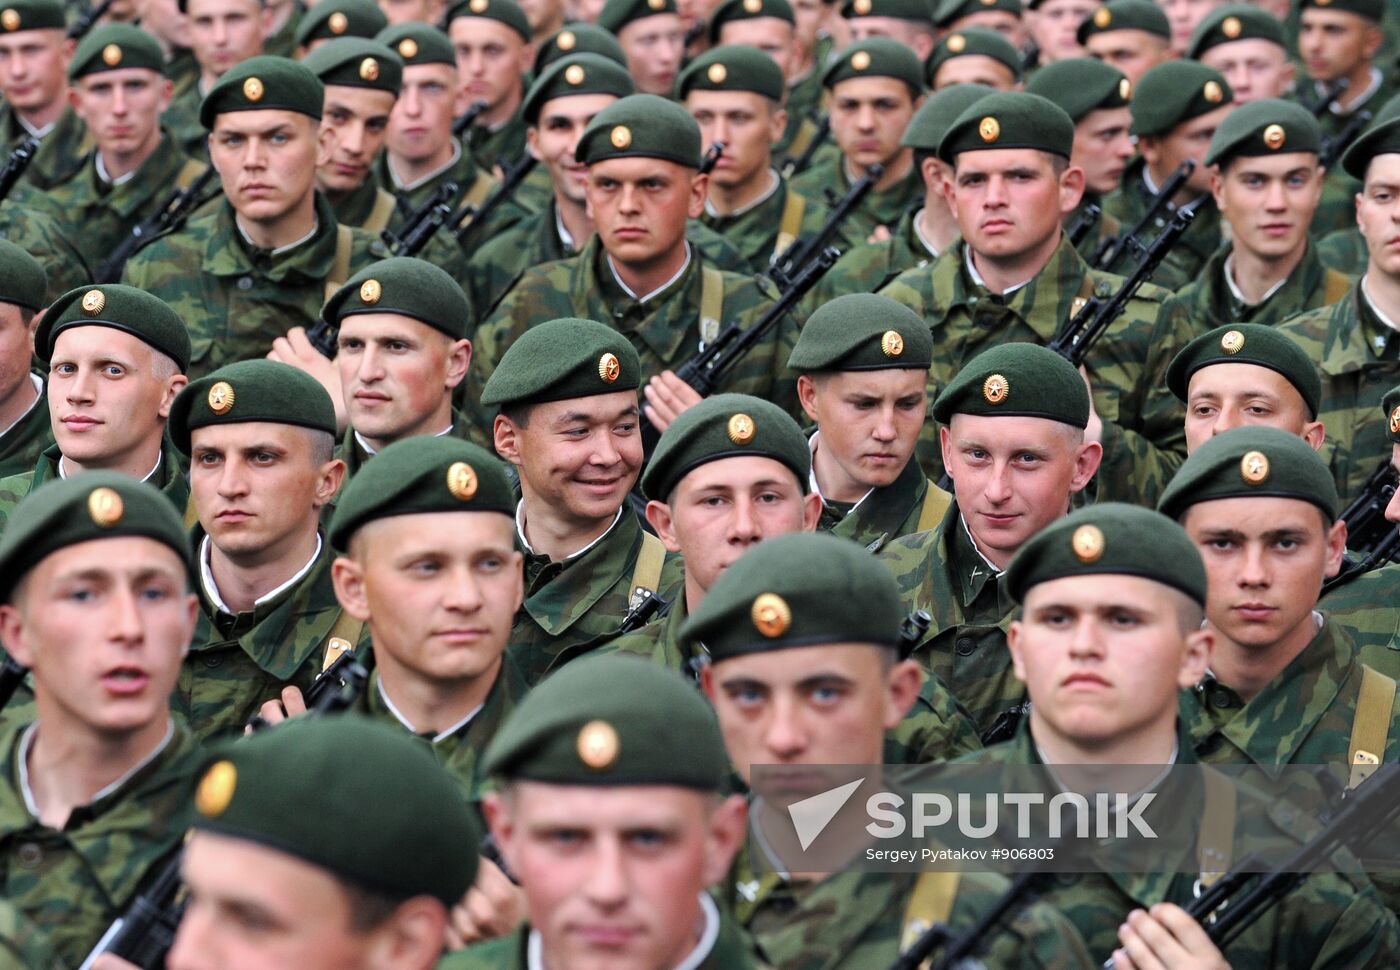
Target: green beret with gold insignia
<point>120,307</point>
<point>1373,10</point>
<point>1268,127</point>
<point>63,512</point>
<point>421,475</point>
<point>355,62</point>
<point>617,14</point>
<point>1009,119</point>
<point>417,43</point>
<point>876,57</point>
<point>32,15</point>
<point>950,12</point>
<point>1247,343</point>
<point>1232,22</point>
<point>938,112</point>
<point>733,67</point>
<point>262,83</point>
<point>407,286</point>
<point>1125,15</point>
<point>578,728</point>
<point>251,390</point>
<point>1110,539</point>
<point>578,39</point>
<point>731,10</point>
<point>115,47</point>
<point>330,19</point>
<point>1080,85</point>
<point>22,278</point>
<point>920,11</point>
<point>641,126</point>
<point>364,801</point>
<point>563,359</point>
<point>1381,138</point>
<point>1390,411</point>
<point>576,74</point>
<point>726,426</point>
<point>862,331</point>
<point>1175,92</point>
<point>803,589</point>
<point>1017,381</point>
<point>974,42</point>
<point>506,12</point>
<point>1253,461</point>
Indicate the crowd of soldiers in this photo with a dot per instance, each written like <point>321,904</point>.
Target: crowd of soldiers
<point>445,450</point>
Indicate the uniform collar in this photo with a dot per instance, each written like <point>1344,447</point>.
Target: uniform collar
<point>38,383</point>
<point>26,743</point>
<point>148,477</point>
<point>371,451</point>
<point>689,255</point>
<point>774,184</point>
<point>1228,271</point>
<point>976,277</point>
<point>812,476</point>
<point>529,550</point>
<point>211,589</point>
<point>418,183</point>
<point>442,735</point>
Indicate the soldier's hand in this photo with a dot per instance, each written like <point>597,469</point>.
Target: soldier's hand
<point>881,234</point>
<point>289,704</point>
<point>1165,938</point>
<point>667,398</point>
<point>1094,430</point>
<point>493,907</point>
<point>296,350</point>
<point>108,962</point>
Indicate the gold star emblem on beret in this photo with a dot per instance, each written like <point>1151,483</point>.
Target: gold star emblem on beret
<point>408,48</point>
<point>1125,89</point>
<point>574,74</point>
<point>370,292</point>
<point>609,368</point>
<point>598,745</point>
<point>753,7</point>
<point>1102,18</point>
<point>1087,543</point>
<point>860,61</point>
<point>221,398</point>
<point>771,615</point>
<point>461,481</point>
<point>621,136</point>
<point>1232,342</point>
<point>111,55</point>
<point>995,389</point>
<point>989,129</point>
<point>1254,467</point>
<point>478,6</point>
<point>740,429</point>
<point>656,4</point>
<point>1274,136</point>
<point>369,69</point>
<point>216,789</point>
<point>862,7</point>
<point>105,507</point>
<point>566,40</point>
<point>1324,3</point>
<point>94,302</point>
<point>10,19</point>
<point>717,73</point>
<point>1231,27</point>
<point>1395,420</point>
<point>988,3</point>
<point>1212,92</point>
<point>337,23</point>
<point>891,343</point>
<point>253,90</point>
<point>956,43</point>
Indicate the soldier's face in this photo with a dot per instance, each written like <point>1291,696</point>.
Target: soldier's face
<point>1225,396</point>
<point>1269,201</point>
<point>353,129</point>
<point>1378,214</point>
<point>1265,561</point>
<point>1009,203</point>
<point>122,109</point>
<point>266,161</point>
<point>33,68</point>
<point>554,138</point>
<point>1188,140</point>
<point>913,35</point>
<point>974,69</point>
<point>544,15</point>
<point>639,207</point>
<point>225,32</point>
<point>1184,15</point>
<point>1334,43</point>
<point>809,16</point>
<point>407,11</point>
<point>869,422</point>
<point>490,59</point>
<point>420,126</point>
<point>16,347</point>
<point>772,35</point>
<point>163,20</point>
<point>1054,25</point>
<point>1103,148</point>
<point>1255,68</point>
<point>654,47</point>
<point>103,625</point>
<point>613,875</point>
<point>868,118</point>
<point>746,124</point>
<point>1134,52</point>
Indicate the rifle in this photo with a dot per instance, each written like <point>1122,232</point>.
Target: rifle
<point>1329,97</point>
<point>465,219</point>
<point>89,18</point>
<point>1114,248</point>
<point>799,164</point>
<point>912,630</point>
<point>711,159</point>
<point>11,676</point>
<point>474,111</point>
<point>420,225</point>
<point>170,216</point>
<point>1368,532</point>
<point>956,950</point>
<point>1086,220</point>
<point>786,266</point>
<point>1333,147</point>
<point>19,161</point>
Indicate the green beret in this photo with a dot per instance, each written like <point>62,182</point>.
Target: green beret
<point>604,721</point>
<point>330,19</point>
<point>876,57</point>
<point>1009,119</point>
<point>247,391</point>
<point>937,114</point>
<point>32,15</point>
<point>407,286</point>
<point>641,126</point>
<point>974,42</point>
<point>1381,138</point>
<point>950,11</point>
<point>862,331</point>
<point>917,10</point>
<point>417,43</point>
<point>733,67</point>
<point>1017,381</point>
<point>262,83</point>
<point>576,74</point>
<point>22,278</point>
<point>563,359</point>
<point>748,10</point>
<point>1373,10</point>
<point>355,62</point>
<point>1247,343</point>
<point>1253,461</point>
<point>116,47</point>
<point>364,801</point>
<point>1232,22</point>
<point>617,14</point>
<point>421,475</point>
<point>578,39</point>
<point>803,589</point>
<point>63,512</point>
<point>726,426</point>
<point>1080,85</point>
<point>1125,15</point>
<point>1173,93</point>
<point>120,307</point>
<point>507,12</point>
<point>1264,127</point>
<point>1390,410</point>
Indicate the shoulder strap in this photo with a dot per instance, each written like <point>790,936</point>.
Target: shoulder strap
<point>1215,843</point>
<point>1334,287</point>
<point>711,302</point>
<point>479,189</point>
<point>344,635</point>
<point>802,139</point>
<point>930,904</point>
<point>646,575</point>
<point>1370,725</point>
<point>340,269</point>
<point>791,222</point>
<point>191,514</point>
<point>380,214</point>
<point>936,502</point>
<point>189,172</point>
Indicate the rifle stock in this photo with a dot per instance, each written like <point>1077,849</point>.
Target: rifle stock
<point>711,159</point>
<point>473,112</point>
<point>11,676</point>
<point>1085,221</point>
<point>1334,147</point>
<point>795,166</point>
<point>1329,97</point>
<point>16,164</point>
<point>88,20</point>
<point>420,225</point>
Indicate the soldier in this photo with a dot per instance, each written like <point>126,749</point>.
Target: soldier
<point>1131,35</point>
<point>546,18</point>
<point>24,226</point>
<point>652,38</point>
<point>34,54</point>
<point>802,675</point>
<point>24,407</point>
<point>223,33</point>
<point>908,22</point>
<point>96,603</point>
<point>975,56</point>
<point>1184,16</point>
<point>1000,16</point>
<point>1340,39</point>
<point>284,17</point>
<point>813,50</point>
<point>332,19</point>
<point>167,23</point>
<point>1248,48</point>
<point>1054,28</point>
<point>492,42</point>
<point>270,252</point>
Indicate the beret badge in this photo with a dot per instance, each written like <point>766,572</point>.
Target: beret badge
<point>369,69</point>
<point>408,48</point>
<point>111,55</point>
<point>995,389</point>
<point>1102,17</point>
<point>370,292</point>
<point>741,429</point>
<point>989,129</point>
<point>10,19</point>
<point>337,23</point>
<point>860,60</point>
<point>1254,468</point>
<point>1212,92</point>
<point>461,481</point>
<point>609,368</point>
<point>621,137</point>
<point>1231,27</point>
<point>566,41</point>
<point>1087,543</point>
<point>216,789</point>
<point>574,74</point>
<point>957,43</point>
<point>94,302</point>
<point>862,7</point>
<point>105,507</point>
<point>771,615</point>
<point>1274,136</point>
<point>221,398</point>
<point>598,745</point>
<point>1125,89</point>
<point>253,90</point>
<point>891,344</point>
<point>1232,342</point>
<point>1395,420</point>
<point>753,6</point>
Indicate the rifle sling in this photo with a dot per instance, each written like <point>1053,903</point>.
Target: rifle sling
<point>475,195</point>
<point>711,302</point>
<point>1334,286</point>
<point>348,631</point>
<point>1215,842</point>
<point>340,269</point>
<point>791,222</point>
<point>189,173</point>
<point>930,905</point>
<point>1370,725</point>
<point>646,574</point>
<point>381,213</point>
<point>936,502</point>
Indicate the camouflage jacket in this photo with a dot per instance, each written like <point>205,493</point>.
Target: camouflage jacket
<point>1367,607</point>
<point>1344,250</point>
<point>169,477</point>
<point>357,210</point>
<point>1306,91</point>
<point>22,947</point>
<point>25,441</point>
<point>882,208</point>
<point>889,512</point>
<point>499,148</point>
<point>1209,302</point>
<point>1336,209</point>
<point>61,151</point>
<point>181,119</point>
<point>867,267</point>
<point>236,299</point>
<point>182,69</point>
<point>354,454</point>
<point>283,43</point>
<point>1183,264</point>
<point>72,883</point>
<point>1359,360</point>
<point>1106,227</point>
<point>772,224</point>
<point>40,235</point>
<point>1144,437</point>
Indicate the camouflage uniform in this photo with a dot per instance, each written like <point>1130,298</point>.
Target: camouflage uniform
<point>61,151</point>
<point>284,42</point>
<point>1105,227</point>
<point>880,208</point>
<point>1367,607</point>
<point>182,69</point>
<point>758,230</point>
<point>500,148</point>
<point>42,237</point>
<point>1186,259</point>
<point>22,444</point>
<point>1307,92</point>
<point>21,946</point>
<point>472,181</point>
<point>1209,303</point>
<point>181,119</point>
<point>1344,250</point>
<point>868,267</point>
<point>1337,208</point>
<point>889,512</point>
<point>1144,438</point>
<point>356,208</point>
<point>169,478</point>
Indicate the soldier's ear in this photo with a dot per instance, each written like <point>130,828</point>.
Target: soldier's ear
<point>348,578</point>
<point>12,627</point>
<point>728,826</point>
<point>658,514</point>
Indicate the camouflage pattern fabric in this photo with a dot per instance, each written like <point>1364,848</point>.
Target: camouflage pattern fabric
<point>879,208</point>
<point>354,208</point>
<point>1186,259</point>
<point>1367,607</point>
<point>181,120</point>
<point>885,513</point>
<point>61,151</point>
<point>1344,250</point>
<point>1208,302</point>
<point>755,230</point>
<point>499,148</point>
<point>867,267</point>
<point>169,478</point>
<point>22,947</point>
<point>354,455</point>
<point>1105,227</point>
<point>38,234</point>
<point>1336,209</point>
<point>21,446</point>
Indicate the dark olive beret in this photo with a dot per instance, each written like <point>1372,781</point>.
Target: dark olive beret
<point>407,286</point>
<point>1173,93</point>
<point>803,589</point>
<point>862,331</point>
<point>1370,9</point>
<point>22,277</point>
<point>937,114</point>
<point>115,47</point>
<point>365,801</point>
<point>417,43</point>
<point>877,57</point>
<point>617,14</point>
<point>1247,343</point>
<point>507,12</point>
<point>974,42</point>
<point>262,83</point>
<point>357,63</point>
<point>916,10</point>
<point>576,74</point>
<point>641,126</point>
<point>93,505</point>
<point>611,720</point>
<point>329,19</point>
<point>733,67</point>
<point>579,39</point>
<point>421,475</point>
<point>563,359</point>
<point>32,15</point>
<point>251,390</point>
<point>1125,15</point>
<point>726,426</point>
<point>950,12</point>
<point>1251,462</point>
<point>120,307</point>
<point>1009,119</point>
<point>1264,127</point>
<point>1382,137</point>
<point>1080,85</point>
<point>1232,22</point>
<point>1390,411</point>
<point>747,10</point>
<point>1017,381</point>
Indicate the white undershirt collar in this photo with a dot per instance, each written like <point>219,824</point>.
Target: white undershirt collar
<point>525,543</point>
<point>660,289</point>
<point>38,383</point>
<point>773,185</point>
<point>315,225</point>
<point>812,475</point>
<point>919,232</point>
<point>26,742</point>
<point>102,173</point>
<point>977,277</point>
<point>398,715</point>
<point>1229,269</point>
<point>370,450</point>
<point>211,589</point>
<point>63,472</point>
<point>410,186</point>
